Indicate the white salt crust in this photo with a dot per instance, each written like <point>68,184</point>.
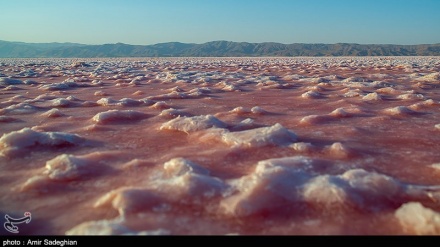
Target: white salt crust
<point>302,146</point>
<point>372,97</point>
<point>65,168</point>
<point>65,85</point>
<point>20,108</point>
<point>61,102</point>
<point>417,219</point>
<point>340,113</point>
<point>160,105</point>
<point>274,184</point>
<point>259,137</point>
<point>246,124</point>
<point>122,102</point>
<point>115,116</point>
<point>399,111</point>
<point>432,77</point>
<point>53,113</point>
<point>436,166</point>
<point>172,113</point>
<point>192,124</point>
<point>17,142</point>
<point>311,95</point>
<point>284,182</point>
<point>110,228</point>
<point>182,181</point>
<point>339,150</point>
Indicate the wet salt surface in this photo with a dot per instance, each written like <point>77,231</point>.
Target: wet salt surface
<point>221,145</point>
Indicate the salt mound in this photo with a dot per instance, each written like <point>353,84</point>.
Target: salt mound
<point>130,200</point>
<point>399,111</point>
<point>352,93</point>
<point>107,102</point>
<point>173,95</point>
<point>287,182</point>
<point>180,166</point>
<point>129,102</point>
<point>428,102</point>
<point>325,191</point>
<point>387,90</point>
<point>371,184</point>
<point>181,182</point>
<point>110,227</point>
<point>103,227</point>
<point>258,110</point>
<point>436,166</point>
<point>65,85</point>
<point>275,135</point>
<point>231,88</point>
<point>434,77</point>
<point>30,82</point>
<point>176,89</point>
<point>240,110</point>
<point>88,103</point>
<point>19,141</point>
<point>340,113</point>
<point>319,80</point>
<point>160,105</point>
<point>192,124</point>
<point>302,146</point>
<point>66,167</point>
<point>272,185</point>
<point>115,116</point>
<point>80,64</point>
<point>197,92</point>
<point>311,95</point>
<point>184,178</point>
<point>372,96</point>
<point>411,96</point>
<point>121,102</point>
<point>61,102</point>
<point>356,79</point>
<point>21,108</point>
<point>52,113</point>
<point>44,97</point>
<point>100,93</point>
<point>417,219</point>
<point>246,124</point>
<point>337,149</point>
<point>172,113</point>
<point>255,110</point>
<point>314,119</point>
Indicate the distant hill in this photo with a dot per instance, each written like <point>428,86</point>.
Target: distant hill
<point>209,49</point>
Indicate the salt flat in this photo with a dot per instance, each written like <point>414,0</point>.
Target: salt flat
<point>215,146</point>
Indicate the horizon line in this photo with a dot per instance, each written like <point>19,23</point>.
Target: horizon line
<point>265,42</point>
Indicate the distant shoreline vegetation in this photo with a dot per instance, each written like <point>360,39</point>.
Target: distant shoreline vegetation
<point>210,49</point>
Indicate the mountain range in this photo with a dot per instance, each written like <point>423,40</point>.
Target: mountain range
<point>210,49</point>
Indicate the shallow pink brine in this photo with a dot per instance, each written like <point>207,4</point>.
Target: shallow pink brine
<point>220,146</point>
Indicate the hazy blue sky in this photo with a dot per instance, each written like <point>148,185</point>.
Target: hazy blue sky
<point>198,21</point>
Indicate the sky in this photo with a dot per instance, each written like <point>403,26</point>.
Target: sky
<point>145,22</point>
